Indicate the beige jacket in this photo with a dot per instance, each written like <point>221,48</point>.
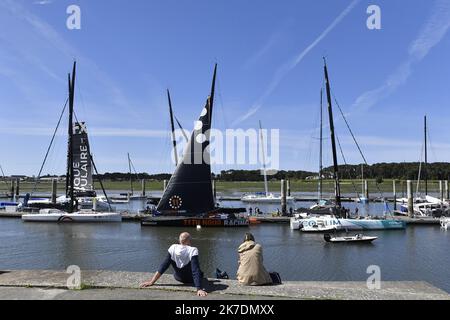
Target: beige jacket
<point>251,270</point>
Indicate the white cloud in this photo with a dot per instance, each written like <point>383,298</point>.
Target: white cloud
<point>431,33</point>
<point>93,132</point>
<point>38,28</point>
<point>43,2</point>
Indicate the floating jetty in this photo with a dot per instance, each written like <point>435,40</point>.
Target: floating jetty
<point>114,285</point>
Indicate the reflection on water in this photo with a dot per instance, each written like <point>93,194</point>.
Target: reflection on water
<point>417,253</point>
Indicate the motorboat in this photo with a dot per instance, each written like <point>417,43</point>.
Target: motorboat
<point>359,238</point>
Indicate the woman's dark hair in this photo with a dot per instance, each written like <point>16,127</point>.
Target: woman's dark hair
<point>249,237</point>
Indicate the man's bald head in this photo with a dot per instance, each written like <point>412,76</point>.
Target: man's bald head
<point>185,238</point>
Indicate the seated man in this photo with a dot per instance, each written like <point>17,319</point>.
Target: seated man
<point>184,260</point>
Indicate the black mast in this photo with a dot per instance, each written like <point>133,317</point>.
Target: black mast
<point>131,175</point>
<point>321,141</point>
<point>425,173</point>
<point>213,90</point>
<point>337,190</point>
<point>174,141</point>
<point>70,155</point>
<point>68,144</point>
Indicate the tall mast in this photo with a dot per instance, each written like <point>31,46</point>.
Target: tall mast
<point>362,179</point>
<point>68,144</point>
<point>266,187</point>
<point>131,176</point>
<point>71,101</point>
<point>337,190</point>
<point>425,171</point>
<point>213,90</point>
<point>321,142</point>
<point>174,141</point>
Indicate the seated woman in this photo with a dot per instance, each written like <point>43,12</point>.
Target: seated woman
<point>251,270</point>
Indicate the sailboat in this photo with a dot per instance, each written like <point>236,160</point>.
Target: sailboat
<point>362,198</point>
<point>130,196</point>
<point>79,180</point>
<point>322,206</point>
<point>428,205</point>
<point>338,219</point>
<point>265,197</point>
<point>188,199</point>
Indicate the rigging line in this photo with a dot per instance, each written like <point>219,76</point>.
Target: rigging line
<point>349,129</point>
<point>101,183</point>
<point>431,146</point>
<point>219,89</point>
<point>75,115</point>
<point>49,147</point>
<point>345,162</point>
<point>356,142</point>
<point>182,130</point>
<point>78,88</point>
<point>134,169</point>
<point>4,178</point>
<point>420,170</point>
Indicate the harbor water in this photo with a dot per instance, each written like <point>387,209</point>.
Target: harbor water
<point>419,253</point>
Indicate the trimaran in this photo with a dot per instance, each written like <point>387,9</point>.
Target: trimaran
<point>337,217</point>
<point>79,180</point>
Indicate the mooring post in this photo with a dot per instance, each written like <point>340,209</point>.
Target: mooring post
<point>94,204</point>
<point>165,185</point>
<point>288,186</point>
<point>54,189</point>
<point>447,196</point>
<point>441,190</point>
<point>12,188</point>
<point>17,188</point>
<point>366,189</point>
<point>143,187</point>
<point>394,191</point>
<point>214,189</point>
<point>410,198</point>
<point>283,197</point>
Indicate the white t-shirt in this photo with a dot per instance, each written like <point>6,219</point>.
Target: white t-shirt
<point>182,254</point>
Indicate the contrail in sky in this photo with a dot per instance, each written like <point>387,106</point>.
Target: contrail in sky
<point>287,67</point>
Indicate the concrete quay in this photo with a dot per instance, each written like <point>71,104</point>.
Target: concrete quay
<point>115,285</point>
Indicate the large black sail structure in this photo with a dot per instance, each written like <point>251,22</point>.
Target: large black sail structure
<point>189,191</point>
<point>81,160</point>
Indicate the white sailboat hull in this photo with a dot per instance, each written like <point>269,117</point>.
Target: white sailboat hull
<point>320,224</point>
<point>264,199</point>
<point>59,216</point>
<point>445,223</point>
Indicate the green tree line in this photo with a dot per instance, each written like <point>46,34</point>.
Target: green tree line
<point>379,171</point>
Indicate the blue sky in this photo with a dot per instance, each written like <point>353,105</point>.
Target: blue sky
<point>270,69</point>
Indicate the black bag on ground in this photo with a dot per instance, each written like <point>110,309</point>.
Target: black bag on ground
<point>276,279</point>
<point>221,274</point>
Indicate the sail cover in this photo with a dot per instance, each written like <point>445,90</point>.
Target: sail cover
<point>189,191</point>
<point>82,164</point>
